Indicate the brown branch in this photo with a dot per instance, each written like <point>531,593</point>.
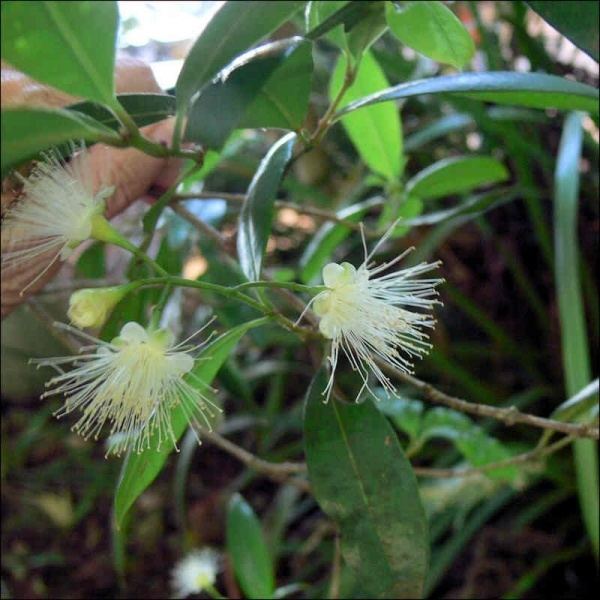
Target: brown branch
<point>510,416</point>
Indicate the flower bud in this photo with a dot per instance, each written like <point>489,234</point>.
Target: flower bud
<point>91,307</point>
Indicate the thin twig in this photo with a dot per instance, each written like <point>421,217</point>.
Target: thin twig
<point>276,471</point>
<point>510,416</point>
<point>519,459</point>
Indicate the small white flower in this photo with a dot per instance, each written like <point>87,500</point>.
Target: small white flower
<point>369,316</point>
<point>194,573</point>
<point>132,384</point>
<point>55,212</point>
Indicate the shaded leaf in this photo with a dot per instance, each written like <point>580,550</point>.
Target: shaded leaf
<point>234,28</point>
<point>239,92</point>
<point>577,21</point>
<point>361,479</point>
<point>256,215</point>
<point>248,550</point>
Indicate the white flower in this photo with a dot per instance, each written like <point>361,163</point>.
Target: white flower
<point>194,573</point>
<point>55,213</point>
<point>132,384</point>
<point>368,315</point>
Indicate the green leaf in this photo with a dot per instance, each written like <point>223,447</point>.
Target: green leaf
<point>322,246</point>
<point>361,479</point>
<point>537,90</point>
<point>248,550</point>
<point>283,101</point>
<point>376,132</point>
<point>69,45</point>
<point>433,30</point>
<point>234,28</point>
<point>577,21</point>
<point>91,263</point>
<point>368,30</point>
<point>330,19</point>
<point>456,175</point>
<point>234,95</point>
<point>145,109</point>
<point>575,351</point>
<point>140,470</point>
<point>25,132</point>
<point>256,215</point>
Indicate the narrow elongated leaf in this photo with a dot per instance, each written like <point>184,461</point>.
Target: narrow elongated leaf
<point>577,21</point>
<point>322,246</point>
<point>145,109</point>
<point>232,97</point>
<point>69,45</point>
<point>321,20</point>
<point>234,28</point>
<point>256,215</point>
<point>537,90</point>
<point>579,405</point>
<point>432,29</point>
<point>248,550</point>
<point>361,479</point>
<point>25,133</point>
<point>456,175</point>
<point>375,132</point>
<point>140,470</point>
<point>576,360</point>
<point>439,128</point>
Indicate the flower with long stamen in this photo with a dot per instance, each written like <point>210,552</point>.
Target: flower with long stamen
<point>369,315</point>
<point>131,384</point>
<point>195,572</point>
<point>58,209</point>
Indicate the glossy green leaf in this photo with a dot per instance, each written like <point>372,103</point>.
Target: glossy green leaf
<point>336,15</point>
<point>234,96</point>
<point>375,132</point>
<point>69,45</point>
<point>256,216</point>
<point>234,28</point>
<point>25,133</point>
<point>248,550</point>
<point>456,175</point>
<point>576,20</point>
<point>432,29</point>
<point>537,90</point>
<point>140,470</point>
<point>321,248</point>
<point>575,351</point>
<point>362,480</point>
<point>145,109</point>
